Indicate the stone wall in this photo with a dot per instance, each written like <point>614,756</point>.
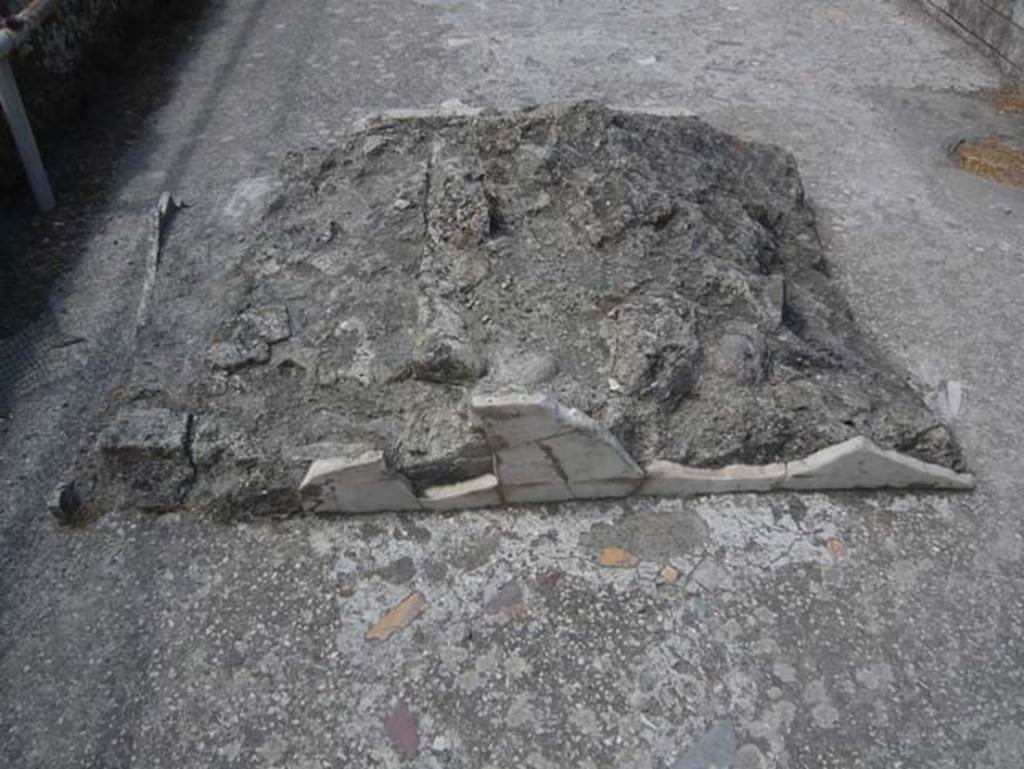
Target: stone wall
<point>62,63</point>
<point>996,26</point>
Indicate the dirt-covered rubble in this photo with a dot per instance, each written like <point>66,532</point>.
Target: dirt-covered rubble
<point>658,275</point>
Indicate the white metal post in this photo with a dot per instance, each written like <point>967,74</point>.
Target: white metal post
<point>21,130</point>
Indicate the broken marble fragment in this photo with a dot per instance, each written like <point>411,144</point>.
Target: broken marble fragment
<point>545,452</point>
<point>950,398</point>
<point>592,455</point>
<point>510,419</point>
<point>577,458</point>
<point>476,492</point>
<point>860,464</point>
<point>397,617</point>
<point>668,479</point>
<point>359,481</point>
<point>669,574</point>
<point>616,557</point>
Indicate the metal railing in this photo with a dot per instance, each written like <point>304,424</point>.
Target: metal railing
<point>16,31</point>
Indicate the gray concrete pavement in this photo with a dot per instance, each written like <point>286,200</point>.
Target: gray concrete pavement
<point>816,631</point>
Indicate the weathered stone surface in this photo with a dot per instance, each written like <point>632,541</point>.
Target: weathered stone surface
<point>360,482</point>
<point>477,492</point>
<point>668,479</point>
<point>445,351</point>
<point>249,202</point>
<point>270,323</point>
<point>439,444</point>
<point>654,348</point>
<point>716,747</point>
<point>250,338</point>
<point>860,464</point>
<point>144,431</point>
<point>519,370</point>
<point>145,457</point>
<point>237,354</point>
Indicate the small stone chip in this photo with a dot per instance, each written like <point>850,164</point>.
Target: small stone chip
<point>393,620</point>
<point>507,599</point>
<point>440,744</point>
<point>616,557</point>
<point>549,579</point>
<point>835,548</point>
<point>669,574</point>
<point>647,571</point>
<point>403,729</point>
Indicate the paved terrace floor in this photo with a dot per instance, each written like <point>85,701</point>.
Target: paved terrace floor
<point>808,632</point>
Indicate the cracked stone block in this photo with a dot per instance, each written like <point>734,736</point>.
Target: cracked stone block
<point>476,492</point>
<point>359,482</point>
<point>860,464</point>
<point>536,492</point>
<point>668,479</point>
<point>608,489</point>
<point>594,455</point>
<point>545,452</point>
<point>145,454</point>
<point>526,464</point>
<point>510,419</point>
